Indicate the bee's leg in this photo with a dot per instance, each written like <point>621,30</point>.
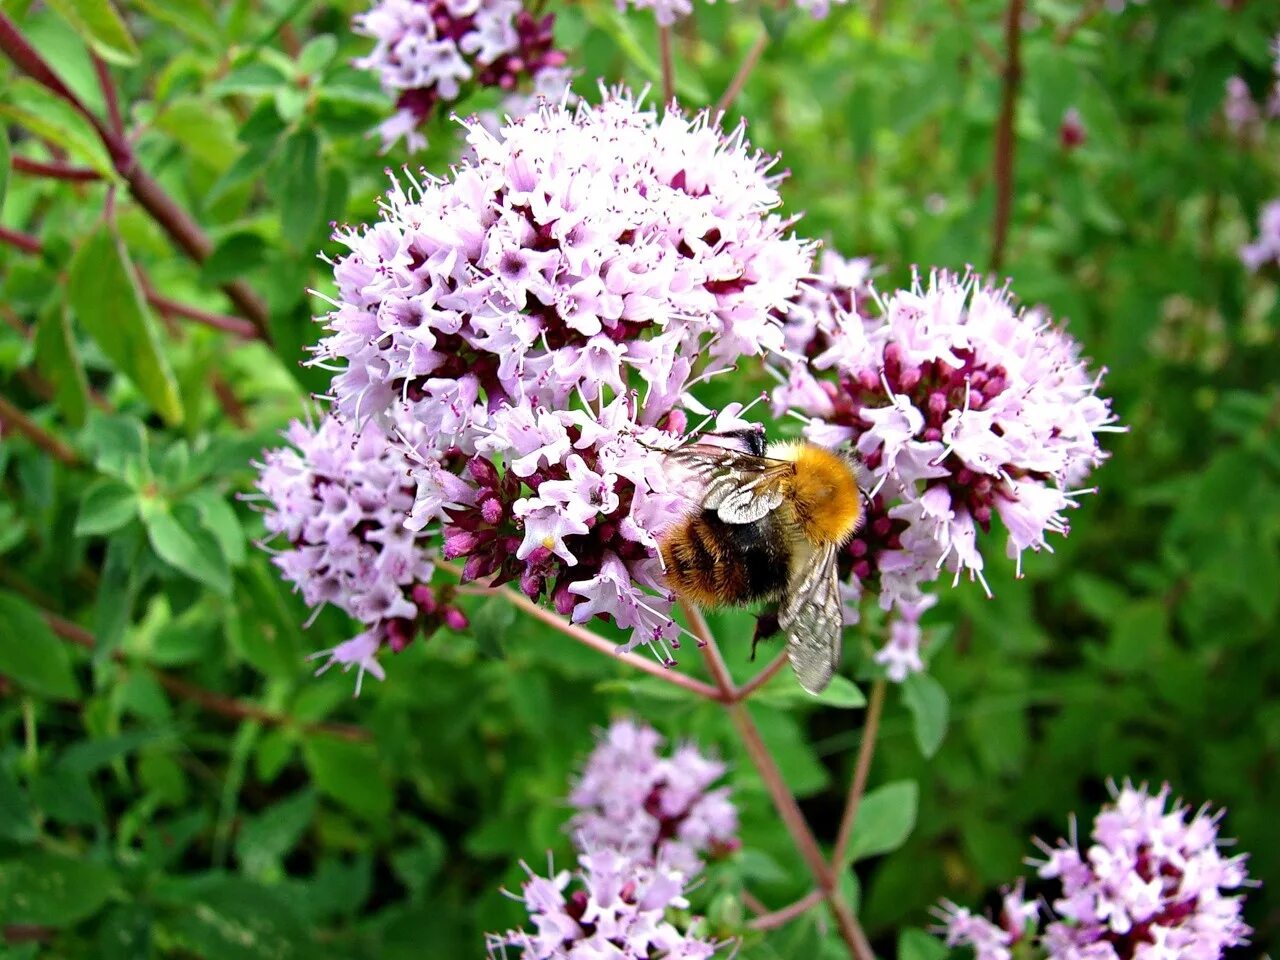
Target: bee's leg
<point>766,627</point>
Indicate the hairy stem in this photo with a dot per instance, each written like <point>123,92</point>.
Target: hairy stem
<point>668,64</point>
<point>784,800</point>
<point>1011,78</point>
<point>13,418</point>
<point>54,171</point>
<point>584,636</point>
<point>744,73</point>
<point>861,768</point>
<point>780,917</point>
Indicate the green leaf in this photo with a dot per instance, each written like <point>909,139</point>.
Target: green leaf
<point>249,79</point>
<point>317,54</point>
<point>217,516</point>
<point>349,773</point>
<point>103,291</point>
<point>784,690</point>
<point>298,183</point>
<point>927,700</point>
<point>205,131</point>
<point>29,652</point>
<point>918,945</point>
<point>227,918</point>
<point>105,507</point>
<point>101,26</point>
<point>267,838</point>
<point>50,891</point>
<point>885,819</point>
<point>234,256</point>
<point>490,624</point>
<point>116,590</point>
<point>58,361</point>
<point>16,821</point>
<point>51,118</point>
<point>194,552</point>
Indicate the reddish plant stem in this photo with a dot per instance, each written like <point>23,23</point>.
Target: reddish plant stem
<point>218,321</point>
<point>586,637</point>
<point>668,64</point>
<point>174,220</point>
<point>22,241</point>
<point>166,305</point>
<point>213,702</point>
<point>763,677</point>
<point>744,73</point>
<point>1011,78</point>
<point>54,171</point>
<point>861,768</point>
<point>109,95</point>
<point>784,915</point>
<point>783,799</point>
<point>12,418</point>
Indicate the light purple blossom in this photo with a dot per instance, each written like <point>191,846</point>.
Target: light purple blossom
<point>655,809</point>
<point>602,244</point>
<point>611,907</point>
<point>988,940</point>
<point>961,408</point>
<point>429,52</point>
<point>1153,885</point>
<point>543,317</point>
<point>1266,248</point>
<point>338,498</point>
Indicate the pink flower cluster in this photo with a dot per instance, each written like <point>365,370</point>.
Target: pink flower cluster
<point>962,408</point>
<point>1152,886</point>
<point>1244,115</point>
<point>610,907</point>
<point>1266,248</point>
<point>655,809</point>
<point>642,824</point>
<point>338,497</point>
<point>543,314</point>
<point>428,52</point>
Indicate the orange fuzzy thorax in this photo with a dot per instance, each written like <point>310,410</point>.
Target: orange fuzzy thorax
<point>824,496</point>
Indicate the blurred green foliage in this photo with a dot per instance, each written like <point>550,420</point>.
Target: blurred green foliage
<point>173,782</point>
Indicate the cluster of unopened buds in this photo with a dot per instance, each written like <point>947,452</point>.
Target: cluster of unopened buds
<point>1153,885</point>
<point>433,52</point>
<point>642,825</point>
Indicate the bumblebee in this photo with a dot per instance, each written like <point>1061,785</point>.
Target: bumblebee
<point>769,526</point>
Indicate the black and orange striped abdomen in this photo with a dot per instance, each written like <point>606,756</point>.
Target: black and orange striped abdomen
<point>717,564</point>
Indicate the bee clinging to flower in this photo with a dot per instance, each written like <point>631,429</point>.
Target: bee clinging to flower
<point>769,523</point>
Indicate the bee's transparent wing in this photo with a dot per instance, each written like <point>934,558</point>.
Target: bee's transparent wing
<point>811,618</point>
<point>740,487</point>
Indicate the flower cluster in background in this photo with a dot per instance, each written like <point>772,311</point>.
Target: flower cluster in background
<point>961,408</point>
<point>429,52</point>
<point>1266,248</point>
<point>1244,114</point>
<point>656,809</point>
<point>642,824</point>
<point>1153,885</point>
<point>337,496</point>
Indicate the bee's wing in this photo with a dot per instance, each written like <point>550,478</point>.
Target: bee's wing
<point>740,487</point>
<point>810,616</point>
